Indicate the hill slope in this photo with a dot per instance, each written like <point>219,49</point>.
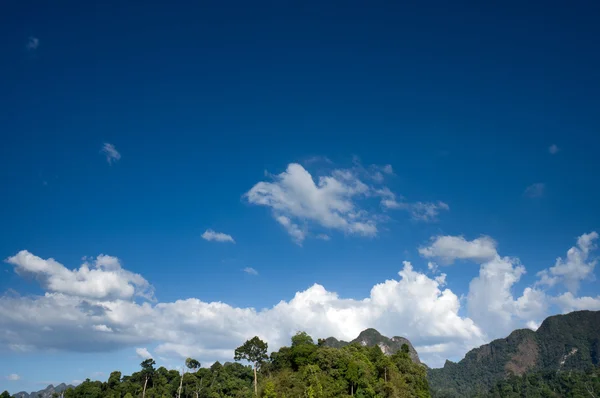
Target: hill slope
<point>562,342</point>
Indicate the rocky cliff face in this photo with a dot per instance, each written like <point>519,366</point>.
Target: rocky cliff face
<point>371,337</point>
<point>562,342</point>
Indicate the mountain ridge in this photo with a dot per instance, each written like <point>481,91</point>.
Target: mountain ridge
<point>45,393</point>
<point>562,342</point>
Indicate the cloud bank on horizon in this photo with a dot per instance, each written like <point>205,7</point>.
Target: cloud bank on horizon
<point>101,306</point>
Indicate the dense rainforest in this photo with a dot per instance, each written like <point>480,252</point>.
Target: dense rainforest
<point>304,369</point>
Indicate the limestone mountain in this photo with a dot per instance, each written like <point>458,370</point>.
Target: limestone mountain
<point>371,337</point>
<point>45,393</point>
<point>561,343</point>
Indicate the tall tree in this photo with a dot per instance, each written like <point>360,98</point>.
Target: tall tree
<point>148,372</point>
<point>193,365</point>
<point>254,351</point>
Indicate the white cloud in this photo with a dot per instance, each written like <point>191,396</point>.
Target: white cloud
<point>413,305</point>
<point>567,302</point>
<point>419,211</point>
<point>338,201</point>
<point>323,237</point>
<point>33,43</point>
<point>433,267</point>
<point>143,353</point>
<point>535,190</point>
<point>553,149</point>
<point>211,235</point>
<point>102,328</point>
<point>294,230</point>
<point>13,377</point>
<point>293,196</point>
<point>490,302</point>
<point>575,268</point>
<point>250,270</point>
<point>104,279</point>
<point>427,212</point>
<point>533,325</point>
<point>111,153</point>
<point>451,248</point>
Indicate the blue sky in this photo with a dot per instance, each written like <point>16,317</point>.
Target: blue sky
<point>277,123</point>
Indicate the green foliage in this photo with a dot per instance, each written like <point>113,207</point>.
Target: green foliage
<point>5,394</point>
<point>570,384</point>
<point>253,350</point>
<point>303,370</point>
<point>191,363</point>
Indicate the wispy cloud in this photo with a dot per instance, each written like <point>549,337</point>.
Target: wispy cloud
<point>535,190</point>
<point>553,149</point>
<point>323,237</point>
<point>33,43</point>
<point>211,235</point>
<point>111,153</point>
<point>250,270</point>
<point>13,377</point>
<point>419,211</point>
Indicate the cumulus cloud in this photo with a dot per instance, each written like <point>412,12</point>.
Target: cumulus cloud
<point>567,302</point>
<point>13,377</point>
<point>535,190</point>
<point>102,279</point>
<point>577,266</point>
<point>33,43</point>
<point>490,302</point>
<point>553,149</point>
<point>412,305</point>
<point>143,353</point>
<point>337,201</point>
<point>111,153</point>
<point>451,248</point>
<point>250,270</point>
<point>211,235</point>
<point>294,196</point>
<point>415,305</point>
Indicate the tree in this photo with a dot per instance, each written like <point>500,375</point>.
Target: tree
<point>5,394</point>
<point>192,364</point>
<point>269,391</point>
<point>254,351</point>
<point>148,371</point>
<point>405,348</point>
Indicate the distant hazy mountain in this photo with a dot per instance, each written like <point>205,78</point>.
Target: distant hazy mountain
<point>45,393</point>
<point>371,337</point>
<point>562,342</point>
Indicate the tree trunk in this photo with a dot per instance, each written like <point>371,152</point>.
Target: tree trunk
<point>144,392</point>
<point>255,382</point>
<point>180,383</point>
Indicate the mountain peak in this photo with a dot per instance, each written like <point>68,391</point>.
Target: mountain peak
<point>371,337</point>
